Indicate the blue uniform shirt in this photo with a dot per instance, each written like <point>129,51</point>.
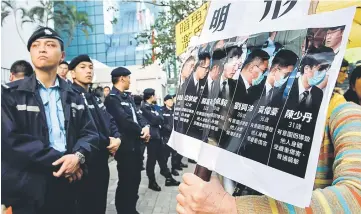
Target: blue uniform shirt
<point>54,115</point>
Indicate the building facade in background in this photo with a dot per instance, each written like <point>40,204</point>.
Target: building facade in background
<point>115,26</point>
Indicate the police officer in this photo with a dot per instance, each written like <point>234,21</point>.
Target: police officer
<point>94,188</point>
<point>154,147</point>
<point>167,127</point>
<point>47,134</point>
<point>133,130</point>
<point>138,101</point>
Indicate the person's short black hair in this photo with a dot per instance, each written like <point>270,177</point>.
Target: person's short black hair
<point>256,54</point>
<point>344,63</point>
<point>356,74</point>
<point>106,87</point>
<point>203,56</point>
<point>115,80</point>
<point>137,99</point>
<point>233,51</point>
<point>22,66</point>
<point>310,61</point>
<point>64,62</point>
<point>285,58</point>
<point>98,91</point>
<point>342,27</point>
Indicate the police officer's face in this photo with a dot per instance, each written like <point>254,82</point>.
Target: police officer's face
<point>83,73</point>
<point>106,91</point>
<point>46,54</point>
<point>169,103</point>
<point>126,82</point>
<point>63,70</point>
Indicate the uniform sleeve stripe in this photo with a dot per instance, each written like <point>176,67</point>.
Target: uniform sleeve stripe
<point>74,105</point>
<point>28,108</point>
<point>90,106</point>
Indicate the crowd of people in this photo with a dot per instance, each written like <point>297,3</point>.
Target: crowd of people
<point>58,134</point>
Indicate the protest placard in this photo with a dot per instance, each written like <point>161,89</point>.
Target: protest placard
<point>252,105</point>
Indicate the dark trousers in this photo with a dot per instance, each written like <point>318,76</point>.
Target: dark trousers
<point>142,149</point>
<point>60,197</point>
<point>168,151</point>
<point>129,167</point>
<point>94,187</point>
<point>155,153</point>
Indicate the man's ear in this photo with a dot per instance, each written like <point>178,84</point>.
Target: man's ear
<point>307,69</point>
<point>11,77</point>
<point>62,56</point>
<point>72,74</point>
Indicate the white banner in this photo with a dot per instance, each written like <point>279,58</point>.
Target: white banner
<point>225,17</point>
<point>268,143</point>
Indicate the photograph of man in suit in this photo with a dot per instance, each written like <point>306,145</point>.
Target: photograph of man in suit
<point>265,89</point>
<point>252,72</point>
<point>305,95</point>
<point>268,93</point>
<point>186,71</point>
<point>195,87</point>
<point>300,112</point>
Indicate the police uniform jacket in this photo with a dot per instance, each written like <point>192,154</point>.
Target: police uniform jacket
<point>153,118</point>
<point>119,105</point>
<point>167,126</point>
<point>104,122</point>
<point>27,157</point>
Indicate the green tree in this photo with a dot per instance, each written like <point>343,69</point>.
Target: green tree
<point>11,8</point>
<point>66,18</point>
<point>164,26</point>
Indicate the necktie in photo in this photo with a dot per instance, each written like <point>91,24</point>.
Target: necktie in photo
<point>223,91</point>
<point>303,97</point>
<point>269,95</point>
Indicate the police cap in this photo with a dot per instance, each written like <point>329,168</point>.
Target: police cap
<point>168,97</point>
<point>121,71</point>
<point>45,32</point>
<point>81,58</point>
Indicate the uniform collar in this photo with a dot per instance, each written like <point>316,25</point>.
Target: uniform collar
<point>116,92</point>
<point>78,88</point>
<point>31,84</point>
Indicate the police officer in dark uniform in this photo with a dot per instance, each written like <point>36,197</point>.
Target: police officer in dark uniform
<point>133,130</point>
<point>167,114</point>
<point>138,102</point>
<point>154,147</point>
<point>47,134</point>
<point>94,188</point>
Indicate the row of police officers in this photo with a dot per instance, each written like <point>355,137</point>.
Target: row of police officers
<point>57,136</point>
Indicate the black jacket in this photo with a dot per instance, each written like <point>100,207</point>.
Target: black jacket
<point>167,127</point>
<point>153,118</point>
<point>27,157</point>
<point>119,105</point>
<point>104,122</point>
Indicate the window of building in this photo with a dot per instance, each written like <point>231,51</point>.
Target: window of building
<point>100,38</point>
<point>99,19</point>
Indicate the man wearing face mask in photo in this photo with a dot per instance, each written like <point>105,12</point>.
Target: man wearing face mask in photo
<point>305,95</point>
<point>252,74</point>
<point>266,89</point>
